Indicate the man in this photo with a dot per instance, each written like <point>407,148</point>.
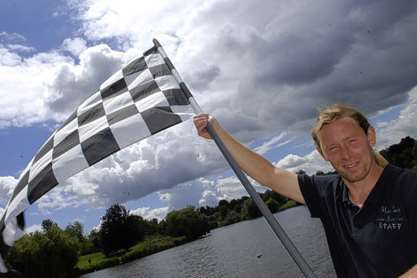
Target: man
<point>368,209</point>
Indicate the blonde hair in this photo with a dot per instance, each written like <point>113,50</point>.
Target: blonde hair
<point>334,112</point>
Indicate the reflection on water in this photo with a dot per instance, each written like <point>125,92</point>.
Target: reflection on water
<point>246,249</point>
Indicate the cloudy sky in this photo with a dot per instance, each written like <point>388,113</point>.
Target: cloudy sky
<point>262,68</point>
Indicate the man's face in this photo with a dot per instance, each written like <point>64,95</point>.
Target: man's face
<point>346,146</point>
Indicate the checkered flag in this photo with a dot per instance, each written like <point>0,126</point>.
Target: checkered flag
<point>143,98</point>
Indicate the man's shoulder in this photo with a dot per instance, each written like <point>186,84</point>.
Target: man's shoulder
<point>325,178</point>
<point>404,185</point>
<point>324,182</point>
<point>404,176</point>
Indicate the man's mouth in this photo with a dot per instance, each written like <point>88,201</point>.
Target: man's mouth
<point>350,166</point>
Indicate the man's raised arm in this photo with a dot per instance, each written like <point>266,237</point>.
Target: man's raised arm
<point>257,167</point>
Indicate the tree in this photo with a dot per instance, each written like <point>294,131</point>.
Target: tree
<point>95,239</point>
<point>187,222</point>
<point>75,230</point>
<point>250,210</point>
<point>151,226</point>
<point>236,205</point>
<point>269,194</point>
<point>231,217</point>
<point>273,205</point>
<point>51,253</point>
<point>119,230</point>
<point>223,208</point>
<point>135,228</point>
<point>403,154</point>
<point>48,224</point>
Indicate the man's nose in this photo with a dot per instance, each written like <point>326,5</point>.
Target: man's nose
<point>345,153</point>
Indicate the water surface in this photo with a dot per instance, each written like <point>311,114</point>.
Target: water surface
<point>245,249</point>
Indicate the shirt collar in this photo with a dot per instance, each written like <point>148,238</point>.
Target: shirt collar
<point>374,196</point>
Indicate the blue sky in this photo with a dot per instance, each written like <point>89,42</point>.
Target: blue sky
<point>44,23</point>
<point>263,74</point>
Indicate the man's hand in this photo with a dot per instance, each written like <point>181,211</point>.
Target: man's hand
<point>200,122</point>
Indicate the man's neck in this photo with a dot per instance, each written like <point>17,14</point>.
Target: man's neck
<point>359,191</point>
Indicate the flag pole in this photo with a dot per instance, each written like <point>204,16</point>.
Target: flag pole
<point>276,227</point>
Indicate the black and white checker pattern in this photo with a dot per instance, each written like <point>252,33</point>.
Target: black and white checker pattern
<point>139,100</point>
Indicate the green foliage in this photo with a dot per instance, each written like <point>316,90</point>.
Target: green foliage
<point>150,245</point>
<point>95,241</point>
<point>75,230</point>
<point>119,230</point>
<point>250,210</point>
<point>51,253</point>
<point>229,212</point>
<point>273,205</point>
<point>187,222</point>
<point>223,208</point>
<point>231,218</point>
<point>288,204</point>
<point>48,224</point>
<point>272,195</point>
<point>150,227</point>
<point>403,154</point>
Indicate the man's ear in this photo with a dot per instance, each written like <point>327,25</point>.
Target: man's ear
<point>371,136</point>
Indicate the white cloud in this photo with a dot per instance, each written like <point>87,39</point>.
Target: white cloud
<point>8,58</point>
<point>60,198</point>
<point>7,185</point>
<point>151,213</point>
<point>73,83</point>
<point>133,22</point>
<point>25,86</point>
<point>197,193</point>
<point>273,143</point>
<point>310,163</point>
<point>206,192</point>
<point>33,228</point>
<point>74,45</point>
<point>269,70</point>
<point>19,48</point>
<point>261,69</point>
<point>50,85</point>
<point>231,188</point>
<point>11,38</point>
<point>296,57</point>
<point>148,166</point>
<point>392,132</point>
<point>208,198</point>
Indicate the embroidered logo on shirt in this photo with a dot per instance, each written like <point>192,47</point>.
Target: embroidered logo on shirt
<point>390,218</point>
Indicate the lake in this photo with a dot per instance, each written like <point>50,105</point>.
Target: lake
<point>245,249</point>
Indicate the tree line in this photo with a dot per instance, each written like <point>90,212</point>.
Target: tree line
<point>53,252</point>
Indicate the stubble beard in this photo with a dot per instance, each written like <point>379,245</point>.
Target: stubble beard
<point>363,172</point>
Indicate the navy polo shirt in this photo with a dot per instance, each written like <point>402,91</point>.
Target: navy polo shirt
<point>377,240</point>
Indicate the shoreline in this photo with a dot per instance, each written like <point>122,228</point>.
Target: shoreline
<point>150,245</point>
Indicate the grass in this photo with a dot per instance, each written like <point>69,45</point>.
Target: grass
<point>152,244</point>
<point>288,204</point>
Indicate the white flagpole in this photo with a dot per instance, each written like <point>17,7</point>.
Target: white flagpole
<point>275,226</point>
